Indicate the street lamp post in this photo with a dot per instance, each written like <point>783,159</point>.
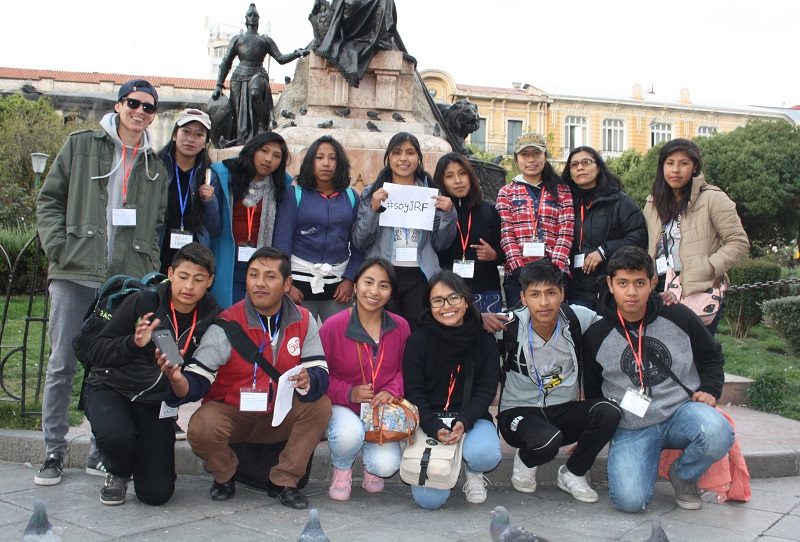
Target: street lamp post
<point>39,161</point>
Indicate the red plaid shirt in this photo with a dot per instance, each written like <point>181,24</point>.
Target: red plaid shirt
<point>557,223</point>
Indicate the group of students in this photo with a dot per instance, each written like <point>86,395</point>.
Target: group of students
<point>256,259</point>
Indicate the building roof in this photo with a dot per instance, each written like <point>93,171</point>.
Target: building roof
<point>116,78</point>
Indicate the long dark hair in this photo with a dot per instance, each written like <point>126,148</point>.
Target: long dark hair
<point>607,180</point>
<point>201,163</point>
<point>550,178</point>
<point>475,195</point>
<point>666,205</point>
<point>243,170</point>
<point>385,175</point>
<point>341,176</point>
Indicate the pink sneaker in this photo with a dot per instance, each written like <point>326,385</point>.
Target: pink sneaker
<point>340,484</point>
<point>372,483</point>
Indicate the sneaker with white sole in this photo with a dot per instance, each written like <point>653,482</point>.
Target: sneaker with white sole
<point>686,494</point>
<point>577,486</point>
<point>523,478</point>
<point>50,473</point>
<point>95,467</point>
<point>114,491</point>
<point>475,487</point>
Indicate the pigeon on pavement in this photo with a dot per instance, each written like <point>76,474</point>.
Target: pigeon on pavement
<point>326,124</point>
<point>342,112</point>
<point>289,124</point>
<point>303,110</point>
<point>658,532</point>
<point>437,130</point>
<point>287,114</point>
<point>39,528</point>
<point>398,117</point>
<point>372,127</point>
<point>373,115</point>
<point>313,531</point>
<point>504,531</point>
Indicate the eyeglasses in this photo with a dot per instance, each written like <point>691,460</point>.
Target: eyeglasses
<point>454,300</point>
<point>146,107</point>
<point>586,162</point>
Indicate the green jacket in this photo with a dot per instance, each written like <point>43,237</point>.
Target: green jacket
<point>71,212</point>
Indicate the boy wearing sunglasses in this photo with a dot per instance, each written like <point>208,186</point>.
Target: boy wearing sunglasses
<point>99,213</point>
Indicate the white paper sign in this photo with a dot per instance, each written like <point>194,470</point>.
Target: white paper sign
<point>409,207</point>
<point>283,399</point>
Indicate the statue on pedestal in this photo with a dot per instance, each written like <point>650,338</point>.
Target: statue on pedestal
<point>250,95</point>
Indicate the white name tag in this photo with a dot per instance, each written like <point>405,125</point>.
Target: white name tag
<point>253,401</point>
<point>167,411</point>
<point>448,422</point>
<point>123,217</point>
<point>635,402</point>
<point>243,253</point>
<point>464,268</point>
<point>533,249</point>
<point>579,260</point>
<point>404,254</point>
<point>179,239</point>
<point>661,265</point>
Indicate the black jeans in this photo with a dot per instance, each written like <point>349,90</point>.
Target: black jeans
<point>540,432</point>
<point>409,300</point>
<point>133,441</point>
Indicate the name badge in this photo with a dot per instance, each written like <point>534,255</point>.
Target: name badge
<point>464,268</point>
<point>244,252</point>
<point>533,249</point>
<point>578,263</point>
<point>405,254</point>
<point>635,402</point>
<point>251,400</point>
<point>167,411</point>
<point>180,238</point>
<point>448,422</point>
<point>661,265</point>
<point>123,217</point>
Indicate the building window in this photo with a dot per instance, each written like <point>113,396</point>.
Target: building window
<point>574,132</point>
<point>219,52</point>
<point>613,135</point>
<point>478,137</point>
<point>660,132</point>
<point>706,131</point>
<point>514,131</point>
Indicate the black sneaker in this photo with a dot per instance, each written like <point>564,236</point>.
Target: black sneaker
<point>113,493</point>
<point>686,494</point>
<point>224,491</point>
<point>50,473</point>
<point>95,467</point>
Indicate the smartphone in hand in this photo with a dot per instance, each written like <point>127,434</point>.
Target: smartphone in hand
<point>165,343</point>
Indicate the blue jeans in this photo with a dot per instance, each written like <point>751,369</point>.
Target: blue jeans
<point>704,435</point>
<point>481,451</point>
<point>345,434</point>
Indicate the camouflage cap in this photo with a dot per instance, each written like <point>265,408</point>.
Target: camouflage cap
<point>531,139</point>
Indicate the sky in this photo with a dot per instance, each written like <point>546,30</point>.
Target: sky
<point>721,50</point>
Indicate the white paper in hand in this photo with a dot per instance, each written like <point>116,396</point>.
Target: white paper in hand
<point>409,207</point>
<point>283,398</point>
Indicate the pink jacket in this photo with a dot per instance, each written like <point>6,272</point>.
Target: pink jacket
<point>341,335</point>
<point>729,476</point>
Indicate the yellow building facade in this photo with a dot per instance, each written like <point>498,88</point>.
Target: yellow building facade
<point>569,118</point>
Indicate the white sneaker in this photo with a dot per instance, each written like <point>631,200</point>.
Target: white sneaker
<point>575,485</point>
<point>523,478</point>
<point>475,487</point>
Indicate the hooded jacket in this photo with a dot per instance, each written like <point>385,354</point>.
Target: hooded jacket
<point>673,334</point>
<point>131,370</point>
<point>78,196</point>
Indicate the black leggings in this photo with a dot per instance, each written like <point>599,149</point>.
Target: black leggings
<point>133,441</point>
<point>409,299</point>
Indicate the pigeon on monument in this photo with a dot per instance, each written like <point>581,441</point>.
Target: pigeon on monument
<point>287,79</point>
<point>313,531</point>
<point>289,124</point>
<point>504,531</point>
<point>658,532</point>
<point>39,528</point>
<point>273,124</point>
<point>437,130</point>
<point>398,117</point>
<point>287,114</point>
<point>326,124</point>
<point>343,112</point>
<point>497,159</point>
<point>303,110</point>
<point>372,127</point>
<point>374,115</point>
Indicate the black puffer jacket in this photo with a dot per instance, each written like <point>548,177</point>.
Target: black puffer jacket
<point>119,364</point>
<point>613,220</point>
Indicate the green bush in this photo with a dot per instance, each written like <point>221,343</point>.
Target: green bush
<point>12,241</point>
<point>783,315</point>
<point>743,307</point>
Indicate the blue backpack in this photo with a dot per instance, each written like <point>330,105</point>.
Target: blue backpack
<point>351,194</point>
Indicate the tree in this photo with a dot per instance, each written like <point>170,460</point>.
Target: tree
<point>25,127</point>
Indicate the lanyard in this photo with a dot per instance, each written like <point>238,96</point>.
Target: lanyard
<point>537,215</point>
<point>464,240</point>
<point>452,386</point>
<point>251,212</point>
<point>375,368</point>
<point>126,172</point>
<point>272,336</point>
<point>584,208</point>
<point>177,333</point>
<point>665,236</point>
<point>538,380</point>
<point>637,357</point>
<point>183,201</point>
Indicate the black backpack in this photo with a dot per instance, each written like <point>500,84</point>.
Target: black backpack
<point>111,296</point>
